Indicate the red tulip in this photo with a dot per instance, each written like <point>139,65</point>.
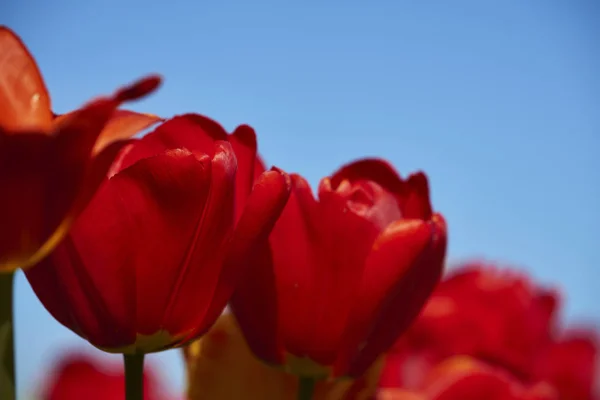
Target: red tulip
<point>50,167</point>
<point>457,320</point>
<point>345,274</point>
<point>78,377</point>
<point>520,338</point>
<point>572,364</point>
<point>152,261</point>
<point>463,378</point>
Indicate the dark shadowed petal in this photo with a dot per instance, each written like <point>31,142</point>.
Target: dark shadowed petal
<point>28,216</point>
<point>257,291</point>
<point>24,99</point>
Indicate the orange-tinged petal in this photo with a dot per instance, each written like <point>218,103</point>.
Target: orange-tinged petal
<point>47,176</point>
<point>122,125</point>
<point>24,99</point>
<point>399,394</point>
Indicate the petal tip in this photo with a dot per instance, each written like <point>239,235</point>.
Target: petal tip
<point>140,88</point>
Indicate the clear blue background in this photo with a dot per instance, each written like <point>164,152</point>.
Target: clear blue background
<point>498,101</point>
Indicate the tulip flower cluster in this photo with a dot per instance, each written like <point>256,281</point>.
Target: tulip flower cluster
<point>489,333</point>
<point>138,245</point>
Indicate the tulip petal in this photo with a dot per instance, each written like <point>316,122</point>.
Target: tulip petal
<point>47,174</point>
<point>259,167</point>
<point>243,141</point>
<point>571,364</point>
<point>370,169</point>
<point>399,394</point>
<point>200,270</point>
<point>79,132</point>
<point>122,125</point>
<point>257,291</point>
<point>475,385</point>
<point>24,99</point>
<point>344,242</point>
<point>193,132</point>
<point>154,204</point>
<point>415,202</point>
<point>412,194</point>
<point>296,260</point>
<point>464,378</point>
<point>401,272</point>
<point>28,211</point>
<point>197,133</point>
<point>263,207</point>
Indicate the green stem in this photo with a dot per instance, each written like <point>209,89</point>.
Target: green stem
<point>7,345</point>
<point>306,388</point>
<point>134,376</point>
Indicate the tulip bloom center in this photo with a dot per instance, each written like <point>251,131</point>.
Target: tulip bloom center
<point>370,201</point>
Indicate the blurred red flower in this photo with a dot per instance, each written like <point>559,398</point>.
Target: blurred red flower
<point>506,323</point>
<point>79,376</point>
<point>464,378</point>
<point>152,261</point>
<point>321,297</point>
<point>51,166</point>
<point>572,364</point>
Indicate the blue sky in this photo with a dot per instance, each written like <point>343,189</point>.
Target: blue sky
<point>498,101</point>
